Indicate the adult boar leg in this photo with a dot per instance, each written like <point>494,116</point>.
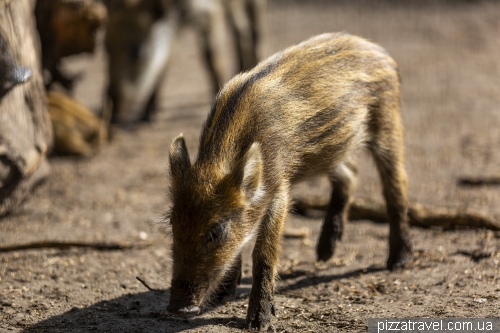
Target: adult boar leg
<point>342,179</point>
<point>242,17</point>
<point>256,10</point>
<point>265,262</point>
<point>151,105</point>
<point>211,29</point>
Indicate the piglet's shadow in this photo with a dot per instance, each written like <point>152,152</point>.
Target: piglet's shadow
<point>142,312</point>
<point>304,278</point>
<point>145,312</point>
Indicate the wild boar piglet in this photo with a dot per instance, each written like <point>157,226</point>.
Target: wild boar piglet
<point>300,113</point>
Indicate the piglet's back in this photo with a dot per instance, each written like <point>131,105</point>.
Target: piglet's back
<point>305,101</point>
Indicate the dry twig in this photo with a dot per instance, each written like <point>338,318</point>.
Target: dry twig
<point>64,245</point>
<point>370,285</point>
<point>418,215</point>
<point>476,255</point>
<point>478,181</point>
<point>146,285</point>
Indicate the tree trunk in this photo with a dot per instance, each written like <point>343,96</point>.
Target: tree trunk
<point>25,128</point>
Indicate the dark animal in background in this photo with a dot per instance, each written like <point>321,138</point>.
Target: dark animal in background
<point>11,73</point>
<point>300,113</point>
<point>67,27</point>
<point>140,35</point>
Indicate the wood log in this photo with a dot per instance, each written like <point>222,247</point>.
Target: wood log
<point>25,129</point>
<point>478,181</point>
<point>418,214</point>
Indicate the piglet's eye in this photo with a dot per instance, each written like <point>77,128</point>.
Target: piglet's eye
<point>218,233</point>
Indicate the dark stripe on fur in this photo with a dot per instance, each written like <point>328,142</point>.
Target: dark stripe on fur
<point>328,132</point>
<point>220,124</point>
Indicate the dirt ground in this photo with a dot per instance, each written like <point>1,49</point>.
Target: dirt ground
<point>450,67</point>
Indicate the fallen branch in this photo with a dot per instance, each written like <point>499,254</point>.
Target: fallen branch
<point>478,181</point>
<point>65,245</point>
<point>475,255</point>
<point>370,285</point>
<point>418,215</point>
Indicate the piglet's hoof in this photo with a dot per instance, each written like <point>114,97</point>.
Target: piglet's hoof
<point>326,248</point>
<point>185,311</point>
<point>259,316</point>
<point>399,257</point>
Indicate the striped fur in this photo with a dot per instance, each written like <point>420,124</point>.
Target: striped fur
<point>300,113</point>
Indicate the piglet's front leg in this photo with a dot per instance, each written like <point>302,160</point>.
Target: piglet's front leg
<point>265,262</point>
<point>261,305</point>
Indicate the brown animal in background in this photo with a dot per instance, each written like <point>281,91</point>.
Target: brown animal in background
<point>139,38</point>
<point>67,27</point>
<point>77,130</point>
<point>300,113</point>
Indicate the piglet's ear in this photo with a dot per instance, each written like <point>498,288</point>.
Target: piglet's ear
<point>179,157</point>
<point>248,173</point>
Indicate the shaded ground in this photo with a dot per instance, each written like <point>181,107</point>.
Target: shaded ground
<point>448,56</point>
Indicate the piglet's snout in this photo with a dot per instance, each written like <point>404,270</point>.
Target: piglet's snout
<point>178,310</point>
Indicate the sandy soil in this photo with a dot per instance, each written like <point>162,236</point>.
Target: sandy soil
<point>448,56</point>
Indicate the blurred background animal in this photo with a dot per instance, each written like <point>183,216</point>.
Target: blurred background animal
<point>69,27</point>
<point>77,130</point>
<point>139,38</point>
<point>66,27</point>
